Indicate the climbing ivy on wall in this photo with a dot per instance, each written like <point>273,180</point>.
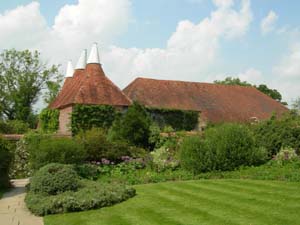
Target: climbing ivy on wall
<point>85,117</point>
<point>49,120</point>
<point>178,119</point>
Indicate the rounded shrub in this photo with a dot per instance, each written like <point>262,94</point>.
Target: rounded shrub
<point>224,147</point>
<point>5,161</point>
<point>234,146</point>
<point>195,156</point>
<point>54,178</point>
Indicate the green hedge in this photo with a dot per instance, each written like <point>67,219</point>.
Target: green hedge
<point>177,119</point>
<point>85,117</point>
<point>49,120</point>
<point>13,127</point>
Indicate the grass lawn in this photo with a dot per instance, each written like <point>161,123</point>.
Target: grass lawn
<point>217,202</point>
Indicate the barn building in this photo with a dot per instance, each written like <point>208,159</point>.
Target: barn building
<point>88,85</point>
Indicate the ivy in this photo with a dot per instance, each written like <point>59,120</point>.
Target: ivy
<point>177,119</point>
<point>49,120</point>
<point>85,117</point>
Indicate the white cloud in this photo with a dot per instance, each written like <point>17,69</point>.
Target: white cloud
<point>75,27</point>
<point>287,73</point>
<point>289,66</point>
<point>22,27</point>
<point>190,50</point>
<point>268,23</point>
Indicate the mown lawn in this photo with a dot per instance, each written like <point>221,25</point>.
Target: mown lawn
<point>208,202</point>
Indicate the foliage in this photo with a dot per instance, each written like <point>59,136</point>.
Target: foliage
<point>85,117</point>
<point>195,155</point>
<point>53,90</point>
<point>22,78</point>
<point>44,149</point>
<point>178,119</point>
<point>273,93</point>
<point>277,133</point>
<point>154,136</point>
<point>49,120</point>
<point>54,179</point>
<point>286,155</point>
<point>87,171</point>
<point>269,171</point>
<point>20,167</point>
<point>98,146</point>
<point>91,196</point>
<point>13,127</point>
<point>5,161</point>
<point>133,127</point>
<point>225,147</point>
<point>232,81</point>
<point>163,158</point>
<point>95,143</point>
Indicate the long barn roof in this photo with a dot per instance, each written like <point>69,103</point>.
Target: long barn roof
<point>216,102</point>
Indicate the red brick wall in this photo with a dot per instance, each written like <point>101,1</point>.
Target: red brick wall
<point>65,121</point>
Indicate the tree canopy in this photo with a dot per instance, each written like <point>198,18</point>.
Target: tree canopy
<point>273,93</point>
<point>23,76</point>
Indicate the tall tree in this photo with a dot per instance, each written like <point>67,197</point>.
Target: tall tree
<point>23,78</point>
<point>273,93</point>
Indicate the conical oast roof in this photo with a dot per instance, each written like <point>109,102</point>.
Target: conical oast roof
<point>90,87</point>
<point>97,89</point>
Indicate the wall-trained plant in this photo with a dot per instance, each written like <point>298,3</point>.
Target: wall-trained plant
<point>85,117</point>
<point>49,120</point>
<point>178,119</point>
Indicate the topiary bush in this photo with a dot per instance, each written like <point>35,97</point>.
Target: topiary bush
<point>53,179</point>
<point>224,147</point>
<point>45,149</point>
<point>5,161</point>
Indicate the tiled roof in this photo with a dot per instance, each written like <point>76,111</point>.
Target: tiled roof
<point>217,103</point>
<point>90,86</point>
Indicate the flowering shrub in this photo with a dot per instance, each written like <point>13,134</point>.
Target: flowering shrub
<point>286,155</point>
<point>20,167</point>
<point>163,158</point>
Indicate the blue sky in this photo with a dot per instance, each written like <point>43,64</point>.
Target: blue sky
<point>154,38</point>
